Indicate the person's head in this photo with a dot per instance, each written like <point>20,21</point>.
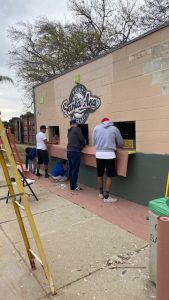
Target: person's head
<point>43,128</point>
<point>104,120</point>
<point>73,123</point>
<point>28,150</point>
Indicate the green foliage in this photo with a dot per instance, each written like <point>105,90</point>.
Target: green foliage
<point>45,49</point>
<point>6,78</point>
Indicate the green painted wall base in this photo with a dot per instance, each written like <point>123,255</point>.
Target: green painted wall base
<point>145,181</point>
<point>146,178</point>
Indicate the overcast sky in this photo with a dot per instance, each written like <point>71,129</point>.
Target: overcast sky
<point>12,12</point>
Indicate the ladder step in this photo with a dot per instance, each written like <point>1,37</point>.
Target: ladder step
<point>5,185</point>
<point>34,254</point>
<point>20,205</point>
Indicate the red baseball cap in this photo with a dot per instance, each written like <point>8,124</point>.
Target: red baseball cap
<point>105,119</point>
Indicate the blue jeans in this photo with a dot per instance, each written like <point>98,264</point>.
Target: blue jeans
<point>74,163</point>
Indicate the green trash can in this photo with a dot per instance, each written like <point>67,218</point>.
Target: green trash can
<point>157,207</point>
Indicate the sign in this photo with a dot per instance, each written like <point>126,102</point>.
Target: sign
<point>41,100</point>
<point>77,78</point>
<point>80,104</point>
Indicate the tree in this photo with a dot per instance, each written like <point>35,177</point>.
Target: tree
<point>44,49</point>
<point>107,23</point>
<point>154,13</point>
<point>47,48</point>
<point>126,21</point>
<point>5,78</point>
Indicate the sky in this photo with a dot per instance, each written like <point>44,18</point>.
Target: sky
<point>12,12</point>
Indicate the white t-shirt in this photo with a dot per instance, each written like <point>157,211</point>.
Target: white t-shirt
<point>40,137</point>
<point>105,155</point>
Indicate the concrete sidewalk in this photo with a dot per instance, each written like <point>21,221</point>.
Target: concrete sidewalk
<point>89,257</point>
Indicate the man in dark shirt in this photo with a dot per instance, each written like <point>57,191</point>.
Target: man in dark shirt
<point>76,142</point>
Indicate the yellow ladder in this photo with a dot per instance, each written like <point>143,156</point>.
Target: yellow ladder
<point>167,186</point>
<point>25,205</point>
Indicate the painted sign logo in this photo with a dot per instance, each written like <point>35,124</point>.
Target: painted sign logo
<point>81,102</point>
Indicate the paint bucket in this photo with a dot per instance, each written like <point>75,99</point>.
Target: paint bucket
<point>157,207</point>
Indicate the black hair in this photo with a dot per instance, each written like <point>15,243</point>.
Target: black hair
<point>42,127</point>
<point>28,150</point>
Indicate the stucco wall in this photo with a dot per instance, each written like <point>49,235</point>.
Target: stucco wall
<point>133,85</point>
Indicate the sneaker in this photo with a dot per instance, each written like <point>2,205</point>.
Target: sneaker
<point>46,175</point>
<point>63,178</point>
<point>57,177</point>
<point>110,200</point>
<point>78,188</point>
<point>38,174</point>
<point>101,196</point>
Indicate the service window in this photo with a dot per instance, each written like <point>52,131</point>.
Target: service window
<point>128,132</point>
<point>84,128</point>
<point>54,136</point>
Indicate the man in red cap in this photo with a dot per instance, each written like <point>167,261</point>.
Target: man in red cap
<point>106,138</point>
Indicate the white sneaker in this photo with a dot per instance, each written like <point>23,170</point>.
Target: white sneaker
<point>78,188</point>
<point>101,196</point>
<point>110,199</point>
<point>63,178</point>
<point>57,177</point>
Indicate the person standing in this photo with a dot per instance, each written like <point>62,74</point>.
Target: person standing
<point>42,153</point>
<point>106,137</point>
<point>76,142</point>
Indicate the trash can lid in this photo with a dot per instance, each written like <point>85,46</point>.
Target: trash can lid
<point>159,207</point>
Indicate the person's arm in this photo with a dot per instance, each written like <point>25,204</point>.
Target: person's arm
<point>81,138</point>
<point>119,139</point>
<point>45,139</point>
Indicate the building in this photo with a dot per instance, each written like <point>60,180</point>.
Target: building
<point>29,129</point>
<point>23,128</point>
<point>130,85</point>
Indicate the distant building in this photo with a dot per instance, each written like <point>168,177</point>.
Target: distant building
<point>29,128</point>
<point>23,129</point>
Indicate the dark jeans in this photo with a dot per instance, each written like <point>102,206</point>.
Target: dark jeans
<point>74,163</point>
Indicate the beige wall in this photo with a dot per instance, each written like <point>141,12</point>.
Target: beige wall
<point>133,84</point>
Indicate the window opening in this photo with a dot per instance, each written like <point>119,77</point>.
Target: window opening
<point>54,135</point>
<point>128,132</point>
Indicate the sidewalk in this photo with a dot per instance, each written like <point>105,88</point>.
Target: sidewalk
<point>89,256</point>
<point>125,214</point>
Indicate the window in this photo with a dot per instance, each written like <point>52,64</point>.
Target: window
<point>128,133</point>
<point>54,136</point>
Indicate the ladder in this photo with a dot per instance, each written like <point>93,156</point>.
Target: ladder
<point>14,149</point>
<point>24,205</point>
